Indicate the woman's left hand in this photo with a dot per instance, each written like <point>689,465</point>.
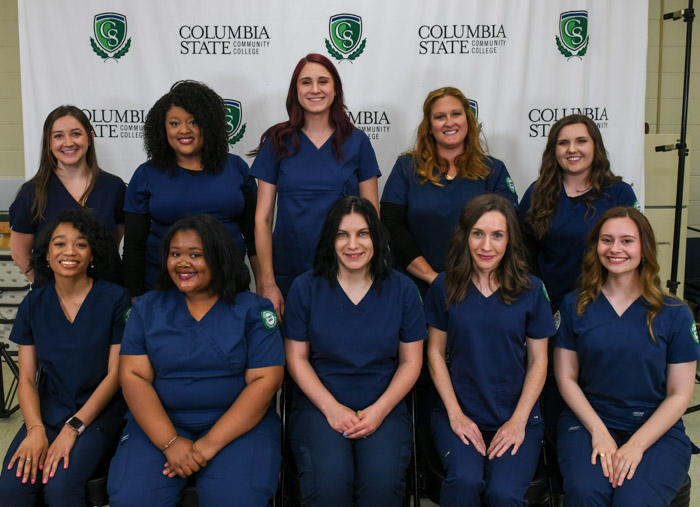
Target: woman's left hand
<point>371,419</point>
<point>511,434</point>
<point>625,462</point>
<point>59,450</point>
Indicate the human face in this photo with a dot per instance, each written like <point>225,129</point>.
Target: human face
<point>69,141</point>
<point>619,246</point>
<point>488,241</point>
<point>186,264</point>
<point>184,135</point>
<point>353,244</point>
<point>574,149</point>
<point>69,252</point>
<point>448,123</point>
<point>315,89</point>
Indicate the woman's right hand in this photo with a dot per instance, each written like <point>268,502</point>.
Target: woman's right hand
<point>468,431</point>
<point>33,448</point>
<point>341,418</point>
<point>605,447</point>
<point>182,458</point>
<point>273,293</point>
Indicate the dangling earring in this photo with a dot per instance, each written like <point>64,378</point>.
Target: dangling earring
<point>48,264</point>
<point>92,265</point>
<point>642,261</point>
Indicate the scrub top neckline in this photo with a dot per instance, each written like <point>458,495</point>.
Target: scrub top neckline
<point>317,148</point>
<point>82,305</point>
<point>359,303</point>
<point>186,310</point>
<point>481,294</point>
<point>619,315</point>
<point>69,194</point>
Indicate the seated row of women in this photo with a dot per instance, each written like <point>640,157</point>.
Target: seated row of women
<point>201,359</point>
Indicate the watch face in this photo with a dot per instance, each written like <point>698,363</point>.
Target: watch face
<point>75,423</point>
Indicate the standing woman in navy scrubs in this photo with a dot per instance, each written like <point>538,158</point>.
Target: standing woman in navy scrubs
<point>202,358</point>
<point>189,171</point>
<point>494,319</point>
<point>625,360</point>
<point>354,331</point>
<point>429,185</point>
<point>306,163</point>
<point>68,178</point>
<point>70,327</point>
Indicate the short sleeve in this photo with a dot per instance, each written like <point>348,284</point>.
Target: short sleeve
<point>435,313</point>
<point>22,328</point>
<point>684,345</point>
<point>565,337</point>
<point>266,167</point>
<point>500,182</point>
<point>249,188</point>
<point>265,347</point>
<point>627,197</point>
<point>138,193</point>
<point>20,210</point>
<point>369,168</point>
<point>413,327</point>
<point>296,310</point>
<point>120,314</point>
<point>396,188</point>
<point>134,339</point>
<point>540,322</point>
<point>119,202</point>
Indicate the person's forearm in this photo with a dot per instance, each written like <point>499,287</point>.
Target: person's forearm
<point>580,406</point>
<point>421,269</point>
<point>532,387</point>
<point>263,248</point>
<point>306,378</point>
<point>147,409</point>
<point>403,380</point>
<point>28,397</point>
<point>441,379</point>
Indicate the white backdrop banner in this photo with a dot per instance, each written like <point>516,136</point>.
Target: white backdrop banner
<point>523,63</point>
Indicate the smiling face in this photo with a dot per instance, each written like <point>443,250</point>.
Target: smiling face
<point>184,135</point>
<point>69,141</point>
<point>353,244</point>
<point>619,246</point>
<point>448,123</point>
<point>575,148</point>
<point>488,241</point>
<point>315,89</point>
<point>187,266</point>
<point>69,253</point>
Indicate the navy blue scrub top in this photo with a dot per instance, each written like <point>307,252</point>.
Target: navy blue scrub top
<point>308,184</point>
<point>621,371</point>
<point>106,201</point>
<point>486,339</point>
<point>562,249</point>
<point>74,356</point>
<point>200,366</point>
<point>433,212</point>
<point>353,348</point>
<point>167,198</point>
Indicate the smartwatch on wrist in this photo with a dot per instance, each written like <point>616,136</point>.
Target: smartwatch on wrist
<point>76,424</point>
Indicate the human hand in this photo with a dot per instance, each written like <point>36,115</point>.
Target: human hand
<point>371,419</point>
<point>273,293</point>
<point>30,454</point>
<point>511,433</point>
<point>341,418</point>
<point>59,450</point>
<point>605,447</point>
<point>468,431</point>
<point>181,459</point>
<point>625,462</point>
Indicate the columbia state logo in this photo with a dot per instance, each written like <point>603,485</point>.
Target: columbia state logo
<point>511,187</point>
<point>345,32</point>
<point>126,315</point>
<point>474,108</point>
<point>110,40</point>
<point>234,118</point>
<point>269,319</point>
<point>637,206</point>
<point>573,35</point>
<point>694,332</point>
<point>544,291</point>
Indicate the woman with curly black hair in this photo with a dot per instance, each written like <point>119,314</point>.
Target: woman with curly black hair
<point>189,171</point>
<point>72,328</point>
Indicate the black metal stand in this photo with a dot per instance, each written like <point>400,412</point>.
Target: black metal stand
<point>7,408</point>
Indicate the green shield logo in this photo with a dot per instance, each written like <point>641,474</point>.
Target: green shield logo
<point>110,31</point>
<point>345,31</point>
<point>234,117</point>
<point>474,106</point>
<point>573,29</point>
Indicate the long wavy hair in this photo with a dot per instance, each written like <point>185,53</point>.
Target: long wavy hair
<point>288,130</point>
<point>48,163</point>
<point>209,112</point>
<point>511,272</point>
<point>547,189</point>
<point>429,165</point>
<point>595,275</point>
<point>326,259</point>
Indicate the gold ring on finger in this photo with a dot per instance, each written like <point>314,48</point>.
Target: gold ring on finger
<point>628,467</point>
<point>602,454</point>
<point>28,460</point>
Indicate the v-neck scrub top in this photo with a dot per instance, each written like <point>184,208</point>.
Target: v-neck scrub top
<point>169,197</point>
<point>308,184</point>
<point>353,348</point>
<point>74,356</point>
<point>561,250</point>
<point>433,212</point>
<point>621,371</point>
<point>200,365</point>
<point>486,339</point>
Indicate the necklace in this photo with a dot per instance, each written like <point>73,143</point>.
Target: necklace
<point>450,178</point>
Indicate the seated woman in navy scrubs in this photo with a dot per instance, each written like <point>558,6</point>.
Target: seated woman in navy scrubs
<point>353,338</point>
<point>306,163</point>
<point>625,357</point>
<point>202,358</point>
<point>70,327</point>
<point>429,185</point>
<point>189,170</point>
<point>492,320</point>
<point>68,178</point>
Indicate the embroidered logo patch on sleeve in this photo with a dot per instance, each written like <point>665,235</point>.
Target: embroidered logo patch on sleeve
<point>694,332</point>
<point>544,291</point>
<point>126,314</point>
<point>269,319</point>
